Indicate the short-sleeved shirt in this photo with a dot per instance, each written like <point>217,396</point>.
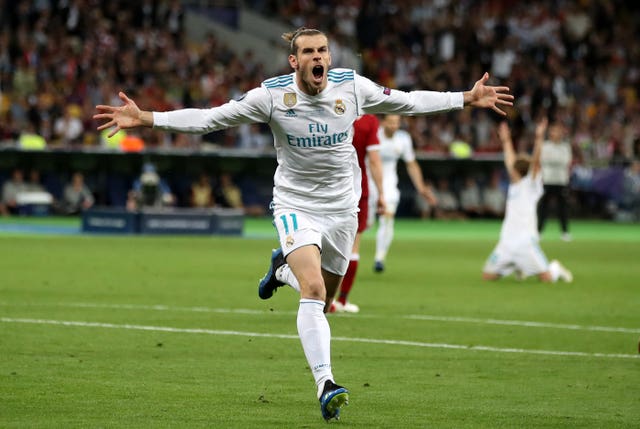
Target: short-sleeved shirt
<point>521,218</point>
<point>555,160</point>
<point>398,146</point>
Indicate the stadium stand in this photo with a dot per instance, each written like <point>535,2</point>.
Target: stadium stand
<point>576,61</point>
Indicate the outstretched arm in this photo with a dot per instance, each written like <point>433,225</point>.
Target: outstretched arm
<point>541,129</point>
<point>253,107</point>
<point>493,97</point>
<point>504,133</point>
<point>122,117</point>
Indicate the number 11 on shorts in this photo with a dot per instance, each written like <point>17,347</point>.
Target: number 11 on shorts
<point>285,223</point>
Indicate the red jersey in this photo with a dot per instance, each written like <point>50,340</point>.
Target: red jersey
<point>365,135</point>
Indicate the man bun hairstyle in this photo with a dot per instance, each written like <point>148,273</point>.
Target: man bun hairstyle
<point>293,35</point>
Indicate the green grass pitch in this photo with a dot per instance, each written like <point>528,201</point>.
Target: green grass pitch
<point>168,332</point>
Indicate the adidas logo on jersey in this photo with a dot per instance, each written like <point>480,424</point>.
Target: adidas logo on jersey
<point>291,113</point>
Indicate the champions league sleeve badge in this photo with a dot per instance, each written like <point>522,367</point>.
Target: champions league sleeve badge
<point>340,107</point>
<point>289,99</point>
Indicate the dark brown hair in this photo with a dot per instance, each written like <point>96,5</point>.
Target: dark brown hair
<point>522,164</point>
<point>293,35</point>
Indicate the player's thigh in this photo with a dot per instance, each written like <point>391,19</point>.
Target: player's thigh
<point>500,262</point>
<point>531,259</point>
<point>305,264</point>
<point>338,237</point>
<point>391,200</point>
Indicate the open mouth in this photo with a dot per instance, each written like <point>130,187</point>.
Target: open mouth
<point>318,72</point>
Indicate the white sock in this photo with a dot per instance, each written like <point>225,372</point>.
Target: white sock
<point>384,237</point>
<point>285,275</point>
<point>554,270</point>
<point>315,336</point>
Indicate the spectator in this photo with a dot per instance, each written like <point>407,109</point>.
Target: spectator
<point>77,197</point>
<point>26,198</point>
<point>227,193</point>
<point>448,205</point>
<point>30,139</point>
<point>470,198</point>
<point>493,197</point>
<point>35,183</point>
<point>202,192</point>
<point>10,191</point>
<point>149,190</point>
<point>68,129</point>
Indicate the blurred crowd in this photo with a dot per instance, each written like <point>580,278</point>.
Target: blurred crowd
<point>576,61</point>
<point>60,58</point>
<point>573,60</point>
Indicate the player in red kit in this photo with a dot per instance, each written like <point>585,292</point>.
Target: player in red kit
<point>365,140</point>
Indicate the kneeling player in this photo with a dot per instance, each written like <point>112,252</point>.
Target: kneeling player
<point>518,250</point>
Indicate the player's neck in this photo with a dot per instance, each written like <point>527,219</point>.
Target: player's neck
<point>308,89</point>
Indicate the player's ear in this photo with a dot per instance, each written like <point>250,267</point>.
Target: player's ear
<point>293,62</point>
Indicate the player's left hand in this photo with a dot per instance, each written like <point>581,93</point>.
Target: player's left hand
<point>487,96</point>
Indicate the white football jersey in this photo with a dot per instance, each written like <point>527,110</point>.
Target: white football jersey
<point>317,166</point>
<point>521,218</point>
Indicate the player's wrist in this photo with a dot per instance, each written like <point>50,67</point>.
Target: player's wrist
<point>145,118</point>
<point>468,98</point>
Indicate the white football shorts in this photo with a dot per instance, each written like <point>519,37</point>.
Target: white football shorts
<point>524,256</point>
<point>391,201</point>
<point>333,234</point>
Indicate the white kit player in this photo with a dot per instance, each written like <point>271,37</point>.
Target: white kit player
<point>518,250</point>
<point>317,182</point>
<point>395,144</point>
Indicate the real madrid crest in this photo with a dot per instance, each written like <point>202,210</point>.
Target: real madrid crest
<point>340,107</point>
<point>290,99</point>
<point>289,241</point>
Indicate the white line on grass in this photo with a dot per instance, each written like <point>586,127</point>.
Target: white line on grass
<point>521,323</point>
<point>345,339</point>
<point>524,323</point>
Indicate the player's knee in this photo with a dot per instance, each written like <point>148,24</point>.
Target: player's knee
<point>545,277</point>
<point>490,276</point>
<point>314,289</point>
